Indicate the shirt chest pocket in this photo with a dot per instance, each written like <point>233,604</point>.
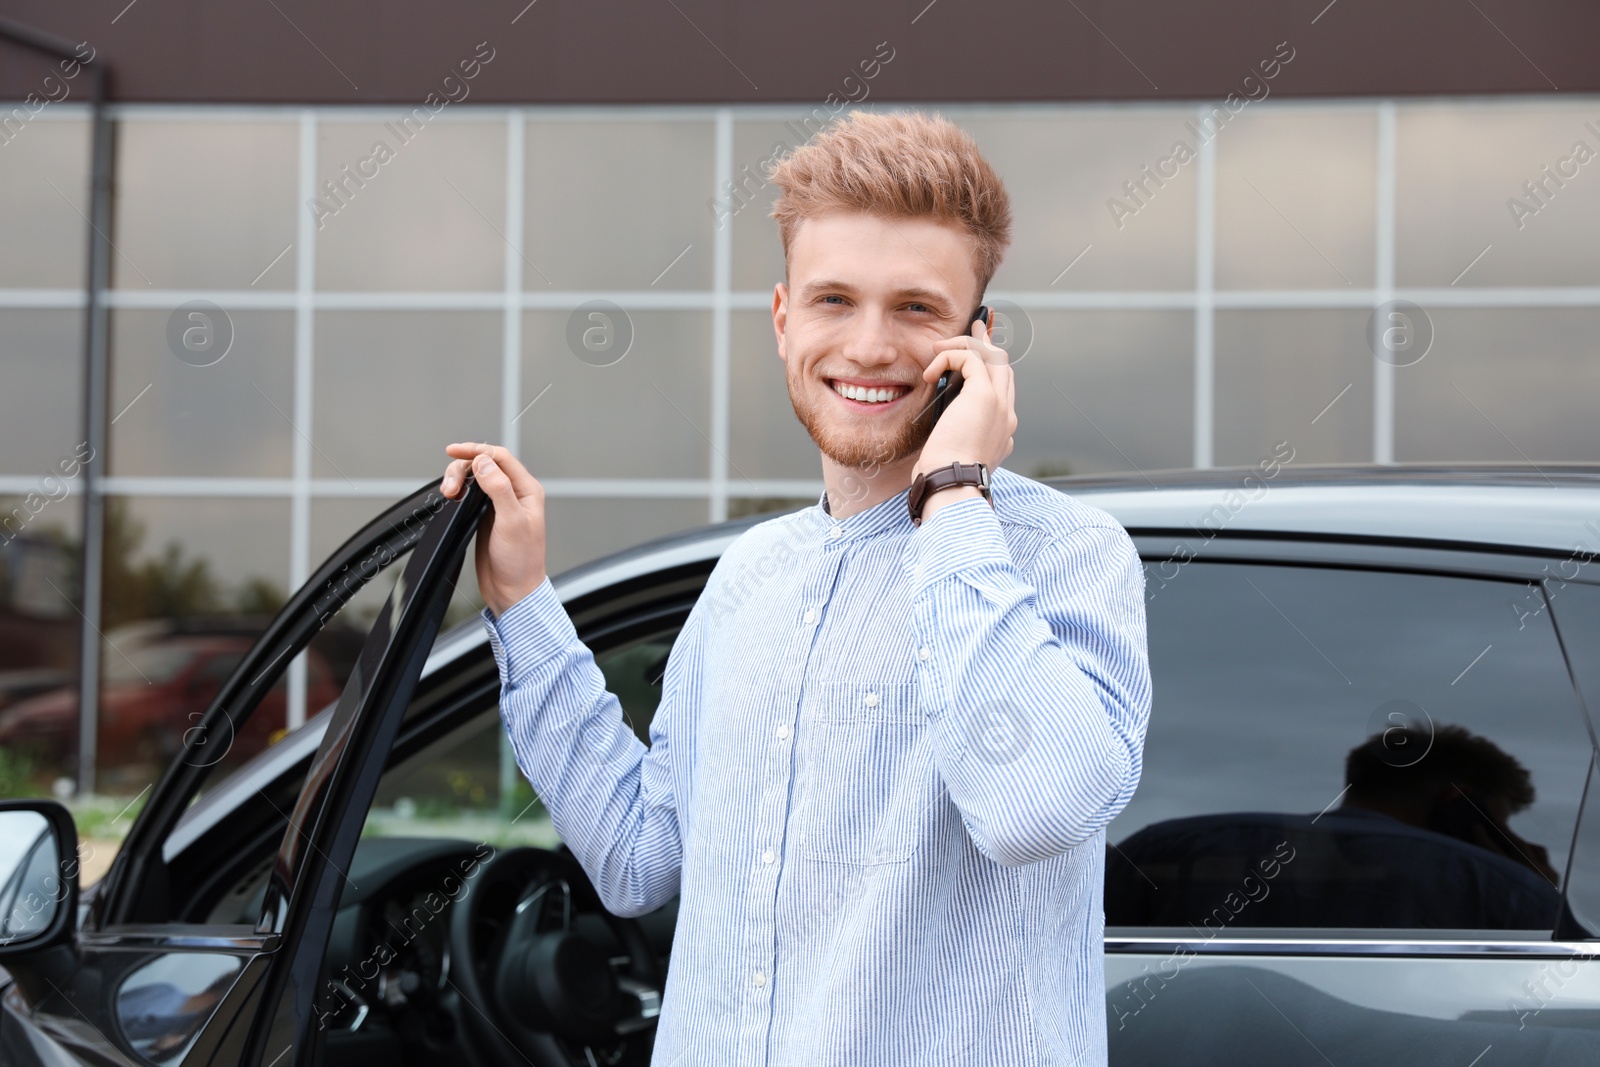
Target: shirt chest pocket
<point>867,774</point>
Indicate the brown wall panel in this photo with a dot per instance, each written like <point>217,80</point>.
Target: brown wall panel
<point>698,51</point>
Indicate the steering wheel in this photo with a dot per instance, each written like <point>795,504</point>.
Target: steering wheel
<point>537,989</point>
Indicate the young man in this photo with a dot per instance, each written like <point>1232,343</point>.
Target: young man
<point>887,745</point>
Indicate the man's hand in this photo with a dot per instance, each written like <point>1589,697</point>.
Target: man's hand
<point>978,425</point>
<point>510,552</point>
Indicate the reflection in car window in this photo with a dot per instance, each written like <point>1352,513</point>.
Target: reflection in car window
<point>217,668</point>
<point>198,891</point>
<point>29,893</point>
<point>162,1005</point>
<point>152,664</point>
<point>329,662</point>
<point>1351,749</point>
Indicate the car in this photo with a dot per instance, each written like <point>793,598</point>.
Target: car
<point>18,685</point>
<point>1367,832</point>
<point>158,681</point>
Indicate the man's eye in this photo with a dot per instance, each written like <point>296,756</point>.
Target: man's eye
<point>919,307</point>
<point>838,298</point>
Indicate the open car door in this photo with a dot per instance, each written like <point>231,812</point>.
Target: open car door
<point>302,894</point>
<point>153,976</point>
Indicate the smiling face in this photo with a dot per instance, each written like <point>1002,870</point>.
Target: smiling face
<point>866,299</point>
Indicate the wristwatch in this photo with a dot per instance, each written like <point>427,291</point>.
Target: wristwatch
<point>925,485</point>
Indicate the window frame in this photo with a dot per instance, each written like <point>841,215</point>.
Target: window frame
<point>1462,559</point>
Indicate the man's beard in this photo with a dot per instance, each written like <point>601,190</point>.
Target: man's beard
<point>859,451</point>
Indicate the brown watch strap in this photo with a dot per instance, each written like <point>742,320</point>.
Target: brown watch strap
<point>925,485</point>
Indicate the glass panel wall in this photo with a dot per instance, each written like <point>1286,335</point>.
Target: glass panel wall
<point>391,388</point>
<point>44,170</point>
<point>177,418</point>
<point>630,403</point>
<point>371,285</point>
<point>1082,417</point>
<point>402,205</point>
<point>1300,377</point>
<point>1511,181</point>
<point>205,204</point>
<point>1515,385</point>
<point>44,175</point>
<point>1296,200</point>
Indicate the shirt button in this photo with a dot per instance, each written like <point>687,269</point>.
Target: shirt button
<point>783,732</point>
<point>768,856</point>
<point>916,573</point>
<point>923,654</point>
<point>871,700</point>
<point>760,979</point>
<point>836,533</point>
<point>811,616</point>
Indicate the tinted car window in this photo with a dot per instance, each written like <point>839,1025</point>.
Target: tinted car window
<point>1335,748</point>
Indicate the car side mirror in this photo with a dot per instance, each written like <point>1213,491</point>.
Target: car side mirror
<point>38,875</point>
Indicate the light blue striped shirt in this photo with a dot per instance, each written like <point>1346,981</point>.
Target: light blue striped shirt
<point>879,775</point>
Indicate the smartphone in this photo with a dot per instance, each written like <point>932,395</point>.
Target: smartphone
<point>949,383</point>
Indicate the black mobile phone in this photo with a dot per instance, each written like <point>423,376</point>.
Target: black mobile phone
<point>949,383</point>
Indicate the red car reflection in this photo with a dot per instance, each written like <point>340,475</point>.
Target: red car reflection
<point>152,694</point>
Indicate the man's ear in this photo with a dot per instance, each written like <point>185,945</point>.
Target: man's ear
<point>780,317</point>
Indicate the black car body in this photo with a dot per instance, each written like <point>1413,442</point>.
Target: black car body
<point>1259,910</point>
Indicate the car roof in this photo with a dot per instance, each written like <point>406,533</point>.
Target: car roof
<point>1551,507</point>
<point>1546,508</point>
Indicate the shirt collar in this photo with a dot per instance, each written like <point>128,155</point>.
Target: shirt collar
<point>884,516</point>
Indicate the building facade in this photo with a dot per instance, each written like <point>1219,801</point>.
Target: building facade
<point>310,298</point>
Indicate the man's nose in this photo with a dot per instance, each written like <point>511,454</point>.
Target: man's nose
<point>870,340</point>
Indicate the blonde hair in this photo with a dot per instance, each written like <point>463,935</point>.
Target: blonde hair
<point>901,165</point>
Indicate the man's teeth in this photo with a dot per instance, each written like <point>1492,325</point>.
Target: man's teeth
<point>868,396</point>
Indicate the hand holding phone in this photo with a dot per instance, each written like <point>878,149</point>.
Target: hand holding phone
<point>949,383</point>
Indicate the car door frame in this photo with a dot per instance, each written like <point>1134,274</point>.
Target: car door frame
<point>303,890</point>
